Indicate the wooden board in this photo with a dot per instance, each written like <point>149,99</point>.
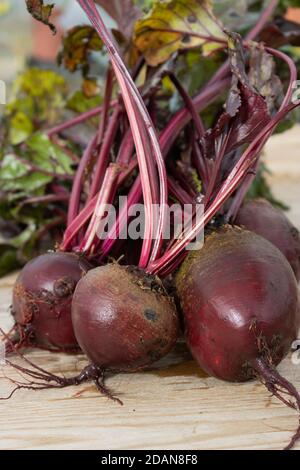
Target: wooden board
<point>174,406</point>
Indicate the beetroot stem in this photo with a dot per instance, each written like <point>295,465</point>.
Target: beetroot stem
<point>106,105</point>
<point>78,180</point>
<point>166,139</point>
<point>75,121</point>
<point>103,157</point>
<point>86,213</point>
<point>197,121</point>
<point>106,196</point>
<point>178,192</point>
<point>138,116</point>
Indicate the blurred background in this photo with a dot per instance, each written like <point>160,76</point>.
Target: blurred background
<point>24,40</point>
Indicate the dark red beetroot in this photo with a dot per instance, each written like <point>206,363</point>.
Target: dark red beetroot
<point>240,302</point>
<point>42,299</point>
<point>261,217</point>
<point>122,319</point>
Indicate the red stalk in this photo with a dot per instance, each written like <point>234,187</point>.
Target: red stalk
<point>178,192</point>
<point>106,196</point>
<point>138,117</point>
<point>103,157</point>
<point>78,181</point>
<point>197,121</point>
<point>106,105</point>
<point>85,214</point>
<point>75,121</point>
<point>166,140</point>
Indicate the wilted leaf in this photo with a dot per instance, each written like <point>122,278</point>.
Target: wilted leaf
<point>79,42</point>
<point>90,87</point>
<point>245,114</point>
<point>172,25</point>
<point>124,12</point>
<point>262,76</point>
<point>41,12</point>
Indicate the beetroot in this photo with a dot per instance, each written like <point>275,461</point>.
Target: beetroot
<point>42,299</point>
<point>261,217</point>
<point>240,302</point>
<point>122,318</point>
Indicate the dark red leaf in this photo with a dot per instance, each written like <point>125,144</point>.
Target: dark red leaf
<point>246,111</point>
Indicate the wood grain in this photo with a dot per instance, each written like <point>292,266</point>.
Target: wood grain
<point>174,405</point>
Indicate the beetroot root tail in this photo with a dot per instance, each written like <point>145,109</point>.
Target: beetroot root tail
<point>281,388</point>
<point>37,378</point>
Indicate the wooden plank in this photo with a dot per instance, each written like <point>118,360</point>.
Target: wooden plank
<point>172,406</point>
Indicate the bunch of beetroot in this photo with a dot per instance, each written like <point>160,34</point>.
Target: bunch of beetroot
<point>238,294</point>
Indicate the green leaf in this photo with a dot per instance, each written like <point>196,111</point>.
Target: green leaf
<point>41,12</point>
<point>38,100</point>
<point>48,156</point>
<point>16,175</point>
<point>11,168</point>
<point>80,103</point>
<point>194,71</point>
<point>39,82</point>
<point>23,237</point>
<point>173,25</point>
<point>28,184</point>
<point>20,128</point>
